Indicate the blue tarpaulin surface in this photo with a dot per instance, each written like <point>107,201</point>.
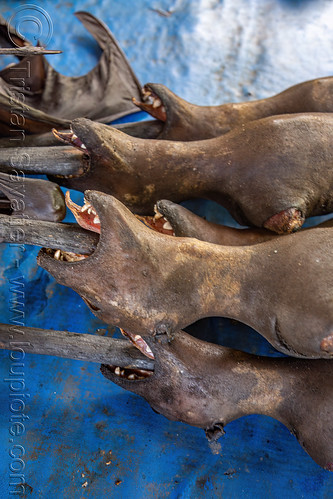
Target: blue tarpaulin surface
<point>83,436</point>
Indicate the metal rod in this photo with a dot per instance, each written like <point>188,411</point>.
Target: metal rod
<point>75,346</point>
<point>68,237</point>
<point>43,160</point>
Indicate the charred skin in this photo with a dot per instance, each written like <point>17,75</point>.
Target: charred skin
<point>32,198</point>
<point>183,223</point>
<point>184,121</point>
<point>153,284</point>
<point>271,173</point>
<point>208,386</point>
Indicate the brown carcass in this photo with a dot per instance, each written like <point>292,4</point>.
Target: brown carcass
<point>152,284</point>
<point>271,173</point>
<point>206,385</point>
<point>178,119</point>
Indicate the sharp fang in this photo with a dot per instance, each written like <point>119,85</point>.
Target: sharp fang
<point>157,103</point>
<point>157,215</point>
<point>89,210</point>
<point>85,207</point>
<point>83,146</point>
<point>97,220</point>
<point>131,376</point>
<point>74,136</point>
<point>167,226</point>
<point>117,371</point>
<point>57,254</point>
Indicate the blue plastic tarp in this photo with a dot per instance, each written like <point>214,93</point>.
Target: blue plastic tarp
<point>83,436</point>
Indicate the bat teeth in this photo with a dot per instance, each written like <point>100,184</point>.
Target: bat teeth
<point>97,220</point>
<point>90,209</point>
<point>145,93</point>
<point>130,375</point>
<point>72,257</point>
<point>157,103</point>
<point>57,254</point>
<point>167,225</point>
<point>157,215</point>
<point>73,139</point>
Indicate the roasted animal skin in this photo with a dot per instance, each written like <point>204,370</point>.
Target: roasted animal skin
<point>151,284</point>
<point>270,173</point>
<point>208,386</point>
<point>184,223</point>
<point>185,121</point>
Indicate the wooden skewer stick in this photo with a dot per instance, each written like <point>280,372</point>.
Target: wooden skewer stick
<point>52,160</point>
<point>67,237</point>
<point>28,50</point>
<point>75,346</point>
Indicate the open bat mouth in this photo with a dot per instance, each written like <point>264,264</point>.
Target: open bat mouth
<point>79,164</point>
<point>70,138</point>
<point>152,104</point>
<point>158,223</point>
<point>130,373</point>
<point>87,217</point>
